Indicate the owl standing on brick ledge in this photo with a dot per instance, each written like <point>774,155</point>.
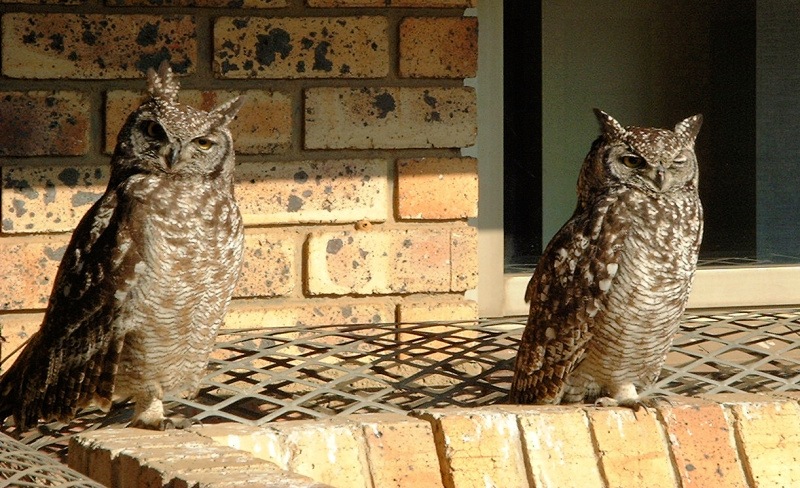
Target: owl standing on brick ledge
<point>609,291</point>
<point>148,274</point>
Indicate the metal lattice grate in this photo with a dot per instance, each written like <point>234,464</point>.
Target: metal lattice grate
<point>21,465</point>
<point>260,376</point>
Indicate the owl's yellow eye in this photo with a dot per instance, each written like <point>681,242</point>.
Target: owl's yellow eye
<point>633,162</point>
<point>154,130</point>
<point>203,143</point>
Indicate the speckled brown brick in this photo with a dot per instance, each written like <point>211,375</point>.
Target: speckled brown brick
<point>312,191</point>
<point>443,47</point>
<point>311,47</point>
<point>16,328</point>
<point>29,268</point>
<point>464,256</point>
<point>702,443</point>
<point>632,446</point>
<point>393,3</point>
<point>478,447</point>
<point>95,46</point>
<point>263,125</point>
<point>268,268</point>
<point>378,262</point>
<point>401,451</point>
<point>390,118</point>
<point>200,3</point>
<point>437,308</point>
<point>245,314</point>
<point>768,434</point>
<point>559,446</point>
<point>49,198</point>
<point>42,123</point>
<point>437,188</point>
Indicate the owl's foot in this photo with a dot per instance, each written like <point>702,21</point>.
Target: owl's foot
<point>166,423</point>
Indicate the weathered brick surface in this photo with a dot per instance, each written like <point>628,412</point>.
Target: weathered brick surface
<point>48,198</point>
<point>311,47</point>
<point>313,191</point>
<point>393,3</point>
<point>263,125</point>
<point>414,310</point>
<point>95,46</point>
<point>40,123</point>
<point>269,264</point>
<point>392,261</point>
<point>632,448</point>
<point>464,257</point>
<point>390,118</point>
<point>307,312</point>
<point>401,451</point>
<point>96,453</point>
<point>16,329</point>
<point>558,445</point>
<point>439,47</point>
<point>478,447</point>
<point>329,451</point>
<point>27,279</point>
<point>702,443</point>
<point>768,430</point>
<point>200,3</point>
<point>437,188</point>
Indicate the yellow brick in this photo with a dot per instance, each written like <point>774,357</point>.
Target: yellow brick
<point>310,47</point>
<point>16,329</point>
<point>437,188</point>
<point>39,123</point>
<point>559,446</point>
<point>702,443</point>
<point>633,450</point>
<point>28,276</point>
<point>481,448</point>
<point>313,191</point>
<point>56,46</point>
<point>251,314</point>
<point>391,261</point>
<point>330,451</point>
<point>390,118</point>
<point>769,432</point>
<point>444,47</point>
<point>49,198</point>
<point>414,310</point>
<point>269,264</point>
<point>401,451</point>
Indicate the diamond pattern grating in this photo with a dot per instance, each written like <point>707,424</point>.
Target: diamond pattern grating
<point>274,374</point>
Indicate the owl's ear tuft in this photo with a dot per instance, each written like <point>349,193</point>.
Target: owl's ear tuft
<point>688,128</point>
<point>608,124</point>
<point>228,110</point>
<point>162,83</point>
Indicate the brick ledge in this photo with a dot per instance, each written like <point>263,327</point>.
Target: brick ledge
<point>726,440</point>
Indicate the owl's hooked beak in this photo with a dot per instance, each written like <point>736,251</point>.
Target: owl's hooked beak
<point>172,156</point>
<point>660,177</point>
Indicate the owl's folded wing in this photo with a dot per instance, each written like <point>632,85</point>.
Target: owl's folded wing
<point>72,359</point>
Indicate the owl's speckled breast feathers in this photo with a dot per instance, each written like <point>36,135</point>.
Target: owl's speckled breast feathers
<point>609,291</point>
<point>145,282</point>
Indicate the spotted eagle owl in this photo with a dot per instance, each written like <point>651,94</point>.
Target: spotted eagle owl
<point>148,274</point>
<point>608,293</point>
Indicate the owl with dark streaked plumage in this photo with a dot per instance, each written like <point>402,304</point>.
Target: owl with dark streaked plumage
<point>609,291</point>
<point>146,279</point>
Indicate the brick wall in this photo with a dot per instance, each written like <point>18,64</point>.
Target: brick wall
<point>721,441</point>
<point>350,176</point>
